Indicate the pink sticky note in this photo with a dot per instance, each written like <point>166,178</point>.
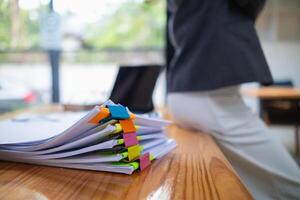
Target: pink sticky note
<point>130,139</point>
<point>144,161</point>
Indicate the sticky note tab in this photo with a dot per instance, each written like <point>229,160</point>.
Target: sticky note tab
<point>144,161</point>
<point>118,112</point>
<point>102,114</point>
<point>127,125</point>
<point>130,139</point>
<point>135,165</point>
<point>133,152</point>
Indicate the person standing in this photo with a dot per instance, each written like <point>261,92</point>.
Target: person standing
<point>215,49</point>
<point>51,42</point>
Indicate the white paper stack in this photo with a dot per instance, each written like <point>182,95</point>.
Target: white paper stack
<point>107,138</point>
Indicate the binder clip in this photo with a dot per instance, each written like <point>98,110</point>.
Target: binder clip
<point>134,152</point>
<point>130,139</point>
<point>102,114</point>
<point>144,161</point>
<point>127,125</point>
<point>118,112</point>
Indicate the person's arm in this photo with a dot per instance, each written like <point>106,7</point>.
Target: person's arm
<point>250,7</point>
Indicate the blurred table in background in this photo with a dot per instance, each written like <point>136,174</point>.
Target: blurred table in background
<point>272,92</point>
<point>196,169</point>
<point>279,105</point>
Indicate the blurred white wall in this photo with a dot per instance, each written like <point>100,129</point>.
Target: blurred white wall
<point>284,60</point>
<point>279,30</point>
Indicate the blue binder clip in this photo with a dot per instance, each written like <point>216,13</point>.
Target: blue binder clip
<point>118,112</point>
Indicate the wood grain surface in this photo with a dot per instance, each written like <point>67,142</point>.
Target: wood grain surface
<point>196,169</point>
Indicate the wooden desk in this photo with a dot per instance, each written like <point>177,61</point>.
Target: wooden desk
<point>284,95</point>
<point>272,92</point>
<point>197,169</point>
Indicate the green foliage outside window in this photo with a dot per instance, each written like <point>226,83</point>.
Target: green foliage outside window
<point>138,25</point>
<point>133,25</point>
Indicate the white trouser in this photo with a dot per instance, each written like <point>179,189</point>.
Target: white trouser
<point>264,165</point>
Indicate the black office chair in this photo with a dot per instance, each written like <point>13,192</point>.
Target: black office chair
<point>282,111</point>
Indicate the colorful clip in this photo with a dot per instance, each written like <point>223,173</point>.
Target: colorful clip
<point>130,139</point>
<point>144,161</point>
<point>132,116</point>
<point>133,152</point>
<point>135,165</point>
<point>127,125</point>
<point>118,112</point>
<point>102,114</point>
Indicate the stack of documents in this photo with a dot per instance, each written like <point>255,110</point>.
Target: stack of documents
<point>108,138</point>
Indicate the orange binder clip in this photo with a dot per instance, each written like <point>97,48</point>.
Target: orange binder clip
<point>127,126</point>
<point>102,114</point>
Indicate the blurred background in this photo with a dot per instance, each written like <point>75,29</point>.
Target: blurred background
<point>91,39</point>
<point>94,38</point>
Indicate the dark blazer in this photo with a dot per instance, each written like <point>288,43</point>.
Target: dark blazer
<point>215,44</point>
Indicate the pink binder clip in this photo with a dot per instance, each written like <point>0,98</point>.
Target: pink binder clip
<point>130,139</point>
<point>144,161</point>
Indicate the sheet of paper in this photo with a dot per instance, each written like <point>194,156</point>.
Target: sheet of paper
<point>142,130</point>
<point>69,140</point>
<point>153,136</point>
<point>66,127</point>
<point>94,162</point>
<point>108,167</point>
<point>97,157</point>
<point>35,128</point>
<point>104,145</point>
<point>152,122</point>
<point>71,145</point>
<point>161,150</point>
<point>146,144</point>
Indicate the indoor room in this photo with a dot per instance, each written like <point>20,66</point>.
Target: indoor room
<point>150,99</point>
